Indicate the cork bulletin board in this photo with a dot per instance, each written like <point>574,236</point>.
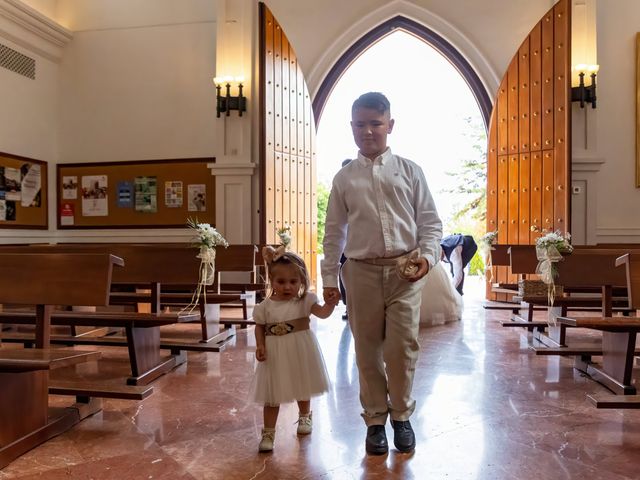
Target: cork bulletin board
<point>23,192</point>
<point>135,194</point>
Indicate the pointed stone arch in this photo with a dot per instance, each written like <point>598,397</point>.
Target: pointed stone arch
<point>423,33</point>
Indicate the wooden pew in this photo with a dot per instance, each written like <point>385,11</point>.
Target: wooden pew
<point>142,330</point>
<point>164,274</point>
<point>142,338</point>
<point>618,344</point>
<point>583,272</point>
<point>587,271</point>
<point>500,257</point>
<point>44,280</point>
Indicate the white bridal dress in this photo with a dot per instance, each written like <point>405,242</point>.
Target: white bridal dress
<point>441,303</point>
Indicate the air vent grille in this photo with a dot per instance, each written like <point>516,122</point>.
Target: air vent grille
<point>17,62</point>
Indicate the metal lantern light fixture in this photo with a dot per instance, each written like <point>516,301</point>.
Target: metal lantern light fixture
<point>227,102</point>
<point>585,93</point>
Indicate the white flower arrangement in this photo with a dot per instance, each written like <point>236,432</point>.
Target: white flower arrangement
<point>485,245</point>
<point>206,235</point>
<point>488,238</point>
<point>284,234</point>
<point>549,250</point>
<point>555,240</point>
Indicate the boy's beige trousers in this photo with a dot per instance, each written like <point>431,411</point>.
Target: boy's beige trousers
<point>384,316</point>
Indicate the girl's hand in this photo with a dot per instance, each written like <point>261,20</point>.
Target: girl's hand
<point>261,353</point>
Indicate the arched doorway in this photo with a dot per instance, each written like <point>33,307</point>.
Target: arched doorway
<point>420,31</point>
<point>427,90</point>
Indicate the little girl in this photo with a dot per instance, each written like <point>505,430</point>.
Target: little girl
<point>290,365</point>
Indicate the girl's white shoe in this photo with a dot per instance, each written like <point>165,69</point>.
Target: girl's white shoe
<point>268,437</point>
<point>305,424</point>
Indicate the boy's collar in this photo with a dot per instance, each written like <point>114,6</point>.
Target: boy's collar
<point>384,156</point>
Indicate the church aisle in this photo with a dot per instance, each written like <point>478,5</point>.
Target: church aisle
<point>488,408</point>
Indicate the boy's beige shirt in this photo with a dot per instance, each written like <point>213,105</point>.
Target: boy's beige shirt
<point>388,209</point>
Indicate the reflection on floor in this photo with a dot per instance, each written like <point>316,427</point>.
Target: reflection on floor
<point>487,409</point>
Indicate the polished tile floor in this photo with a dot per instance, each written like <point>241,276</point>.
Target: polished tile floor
<point>488,408</point>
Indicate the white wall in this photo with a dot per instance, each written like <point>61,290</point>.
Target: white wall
<point>46,7</point>
<point>29,112</point>
<point>81,15</point>
<point>138,93</point>
<point>618,208</point>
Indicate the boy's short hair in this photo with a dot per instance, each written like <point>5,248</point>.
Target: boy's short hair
<point>374,100</point>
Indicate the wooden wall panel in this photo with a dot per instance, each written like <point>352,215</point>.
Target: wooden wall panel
<point>277,91</point>
<point>293,107</point>
<point>514,196</point>
<point>277,213</point>
<point>547,190</point>
<point>512,106</point>
<point>535,79</point>
<point>501,112</point>
<point>503,210</point>
<point>524,97</point>
<point>287,158</point>
<point>536,194</point>
<point>528,171</point>
<point>525,198</point>
<point>268,79</point>
<point>286,193</point>
<point>562,105</point>
<point>286,75</point>
<point>492,183</point>
<point>547,81</point>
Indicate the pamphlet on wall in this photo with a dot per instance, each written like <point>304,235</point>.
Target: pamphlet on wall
<point>69,187</point>
<point>94,196</point>
<point>173,194</point>
<point>31,183</point>
<point>197,198</point>
<point>125,194</point>
<point>146,194</point>
<point>66,214</point>
<point>13,183</point>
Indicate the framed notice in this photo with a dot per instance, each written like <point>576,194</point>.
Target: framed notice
<point>23,192</point>
<point>135,194</point>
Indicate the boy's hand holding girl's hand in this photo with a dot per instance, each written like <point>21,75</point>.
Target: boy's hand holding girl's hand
<point>333,301</point>
<point>331,295</point>
<point>261,353</point>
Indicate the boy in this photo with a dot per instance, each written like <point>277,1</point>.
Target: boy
<point>380,211</point>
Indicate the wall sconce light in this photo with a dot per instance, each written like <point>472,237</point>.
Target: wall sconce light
<point>583,93</point>
<point>226,103</point>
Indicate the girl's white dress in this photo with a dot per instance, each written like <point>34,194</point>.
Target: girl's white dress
<point>441,302</point>
<point>294,368</point>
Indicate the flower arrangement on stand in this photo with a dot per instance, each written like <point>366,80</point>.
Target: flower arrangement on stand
<point>549,250</point>
<point>485,245</point>
<point>206,240</point>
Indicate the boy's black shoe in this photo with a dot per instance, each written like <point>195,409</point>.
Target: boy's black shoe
<point>376,443</point>
<point>403,436</point>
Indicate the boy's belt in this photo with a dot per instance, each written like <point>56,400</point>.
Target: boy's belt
<point>382,261</point>
<point>290,326</point>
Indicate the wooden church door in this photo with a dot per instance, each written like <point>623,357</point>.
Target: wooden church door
<point>529,145</point>
<point>287,139</point>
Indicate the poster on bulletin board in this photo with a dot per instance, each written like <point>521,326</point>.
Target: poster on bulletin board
<point>135,194</point>
<point>23,192</point>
